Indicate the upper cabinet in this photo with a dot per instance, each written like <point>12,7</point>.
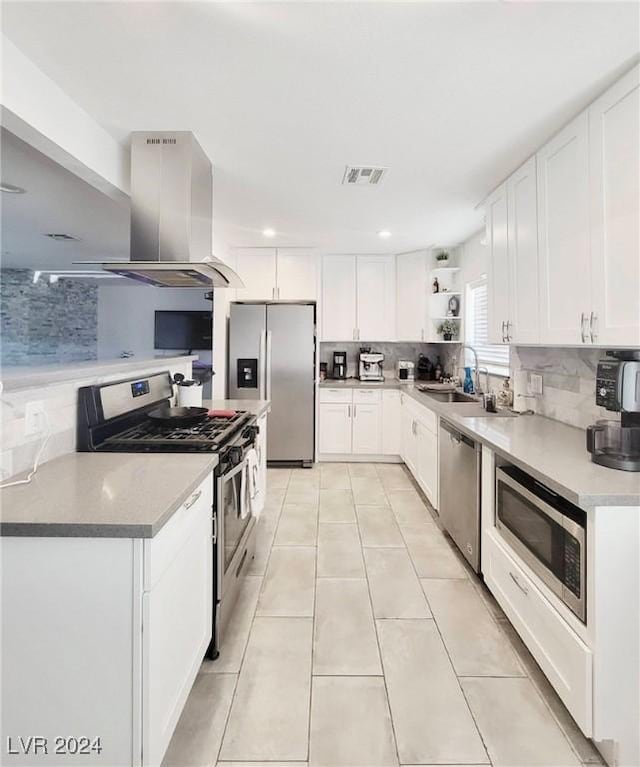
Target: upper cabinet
<point>411,297</point>
<point>523,321</point>
<point>376,304</point>
<point>277,274</point>
<point>297,275</point>
<point>498,257</point>
<point>358,298</point>
<point>256,267</point>
<point>338,304</point>
<point>614,154</point>
<point>563,231</point>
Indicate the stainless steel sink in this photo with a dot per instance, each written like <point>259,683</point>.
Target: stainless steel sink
<point>450,396</point>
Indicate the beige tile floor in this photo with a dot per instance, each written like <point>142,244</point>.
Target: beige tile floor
<point>361,638</point>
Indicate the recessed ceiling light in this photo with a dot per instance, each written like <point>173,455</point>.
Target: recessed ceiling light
<point>11,189</point>
<point>384,233</point>
<point>269,232</point>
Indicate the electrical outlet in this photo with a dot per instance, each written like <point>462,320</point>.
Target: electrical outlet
<point>535,384</point>
<point>33,418</point>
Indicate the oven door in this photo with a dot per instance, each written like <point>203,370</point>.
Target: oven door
<point>234,516</point>
<point>548,541</point>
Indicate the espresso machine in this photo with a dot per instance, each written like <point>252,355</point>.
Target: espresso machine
<point>339,365</point>
<point>370,366</point>
<point>616,444</point>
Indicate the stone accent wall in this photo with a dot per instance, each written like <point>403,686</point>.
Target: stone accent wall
<point>46,322</point>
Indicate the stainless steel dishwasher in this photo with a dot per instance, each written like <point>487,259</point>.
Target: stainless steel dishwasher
<point>460,460</point>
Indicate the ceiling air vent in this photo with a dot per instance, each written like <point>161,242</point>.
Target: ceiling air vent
<point>363,174</point>
<point>60,237</point>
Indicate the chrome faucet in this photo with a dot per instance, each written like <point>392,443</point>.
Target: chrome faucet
<point>477,370</point>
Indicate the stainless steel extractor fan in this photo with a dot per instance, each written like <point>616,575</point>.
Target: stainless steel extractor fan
<point>171,215</point>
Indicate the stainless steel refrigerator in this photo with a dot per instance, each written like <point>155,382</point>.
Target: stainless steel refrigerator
<point>272,355</point>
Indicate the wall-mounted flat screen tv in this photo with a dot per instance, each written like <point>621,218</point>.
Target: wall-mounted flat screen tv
<point>183,330</point>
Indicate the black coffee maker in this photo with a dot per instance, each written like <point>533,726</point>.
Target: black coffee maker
<point>339,365</point>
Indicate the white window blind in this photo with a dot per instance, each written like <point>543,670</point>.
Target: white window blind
<point>495,357</point>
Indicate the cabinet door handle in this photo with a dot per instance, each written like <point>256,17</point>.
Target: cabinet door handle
<point>422,334</point>
<point>593,328</point>
<point>503,332</point>
<point>583,318</point>
<point>193,499</point>
<point>509,338</point>
<point>215,528</point>
<point>522,588</point>
<point>354,411</point>
<point>348,411</point>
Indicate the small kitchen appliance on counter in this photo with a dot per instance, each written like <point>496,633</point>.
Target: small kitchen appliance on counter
<point>137,416</point>
<point>405,370</point>
<point>339,366</point>
<point>616,444</point>
<point>370,366</point>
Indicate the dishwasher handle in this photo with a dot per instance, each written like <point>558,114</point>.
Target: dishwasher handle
<point>458,436</point>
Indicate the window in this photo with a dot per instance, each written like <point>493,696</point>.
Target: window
<point>494,357</point>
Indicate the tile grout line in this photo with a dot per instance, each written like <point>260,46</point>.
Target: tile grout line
<point>253,618</point>
<point>375,627</point>
<point>313,625</point>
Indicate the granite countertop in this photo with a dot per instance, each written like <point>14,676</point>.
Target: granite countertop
<point>553,452</point>
<point>103,495</point>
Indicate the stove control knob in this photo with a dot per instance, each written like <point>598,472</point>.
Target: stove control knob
<point>603,392</point>
<point>235,454</point>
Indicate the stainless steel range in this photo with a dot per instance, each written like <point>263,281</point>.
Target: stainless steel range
<point>115,417</point>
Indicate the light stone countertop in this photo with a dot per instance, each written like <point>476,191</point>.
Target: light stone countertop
<point>553,452</point>
<point>109,495</point>
<point>20,377</point>
<point>103,495</point>
<point>255,406</point>
<point>356,383</point>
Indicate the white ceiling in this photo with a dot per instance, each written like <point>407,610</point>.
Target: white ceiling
<point>450,96</point>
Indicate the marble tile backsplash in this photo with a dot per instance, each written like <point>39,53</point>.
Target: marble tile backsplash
<point>60,402</point>
<point>392,350</point>
<point>569,382</point>
<point>46,322</point>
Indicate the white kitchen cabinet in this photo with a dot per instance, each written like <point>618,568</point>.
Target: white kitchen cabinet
<point>427,467</point>
<point>563,235</point>
<point>339,298</point>
<point>411,296</point>
<point>276,274</point>
<point>297,275</point>
<point>360,421</point>
<point>522,222</point>
<point>614,128</point>
<point>409,443</point>
<point>367,429</point>
<point>335,427</point>
<point>376,304</point>
<point>391,422</point>
<point>256,267</point>
<point>176,620</point>
<point>127,622</point>
<point>498,288</point>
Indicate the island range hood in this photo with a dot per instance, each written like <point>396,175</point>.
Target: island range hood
<point>171,215</point>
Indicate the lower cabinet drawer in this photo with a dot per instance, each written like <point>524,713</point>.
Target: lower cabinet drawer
<point>561,654</point>
<point>367,396</point>
<point>336,395</point>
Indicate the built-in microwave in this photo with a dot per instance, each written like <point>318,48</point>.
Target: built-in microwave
<point>546,531</point>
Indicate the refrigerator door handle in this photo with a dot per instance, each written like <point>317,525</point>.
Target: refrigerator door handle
<point>268,367</point>
<point>262,365</point>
